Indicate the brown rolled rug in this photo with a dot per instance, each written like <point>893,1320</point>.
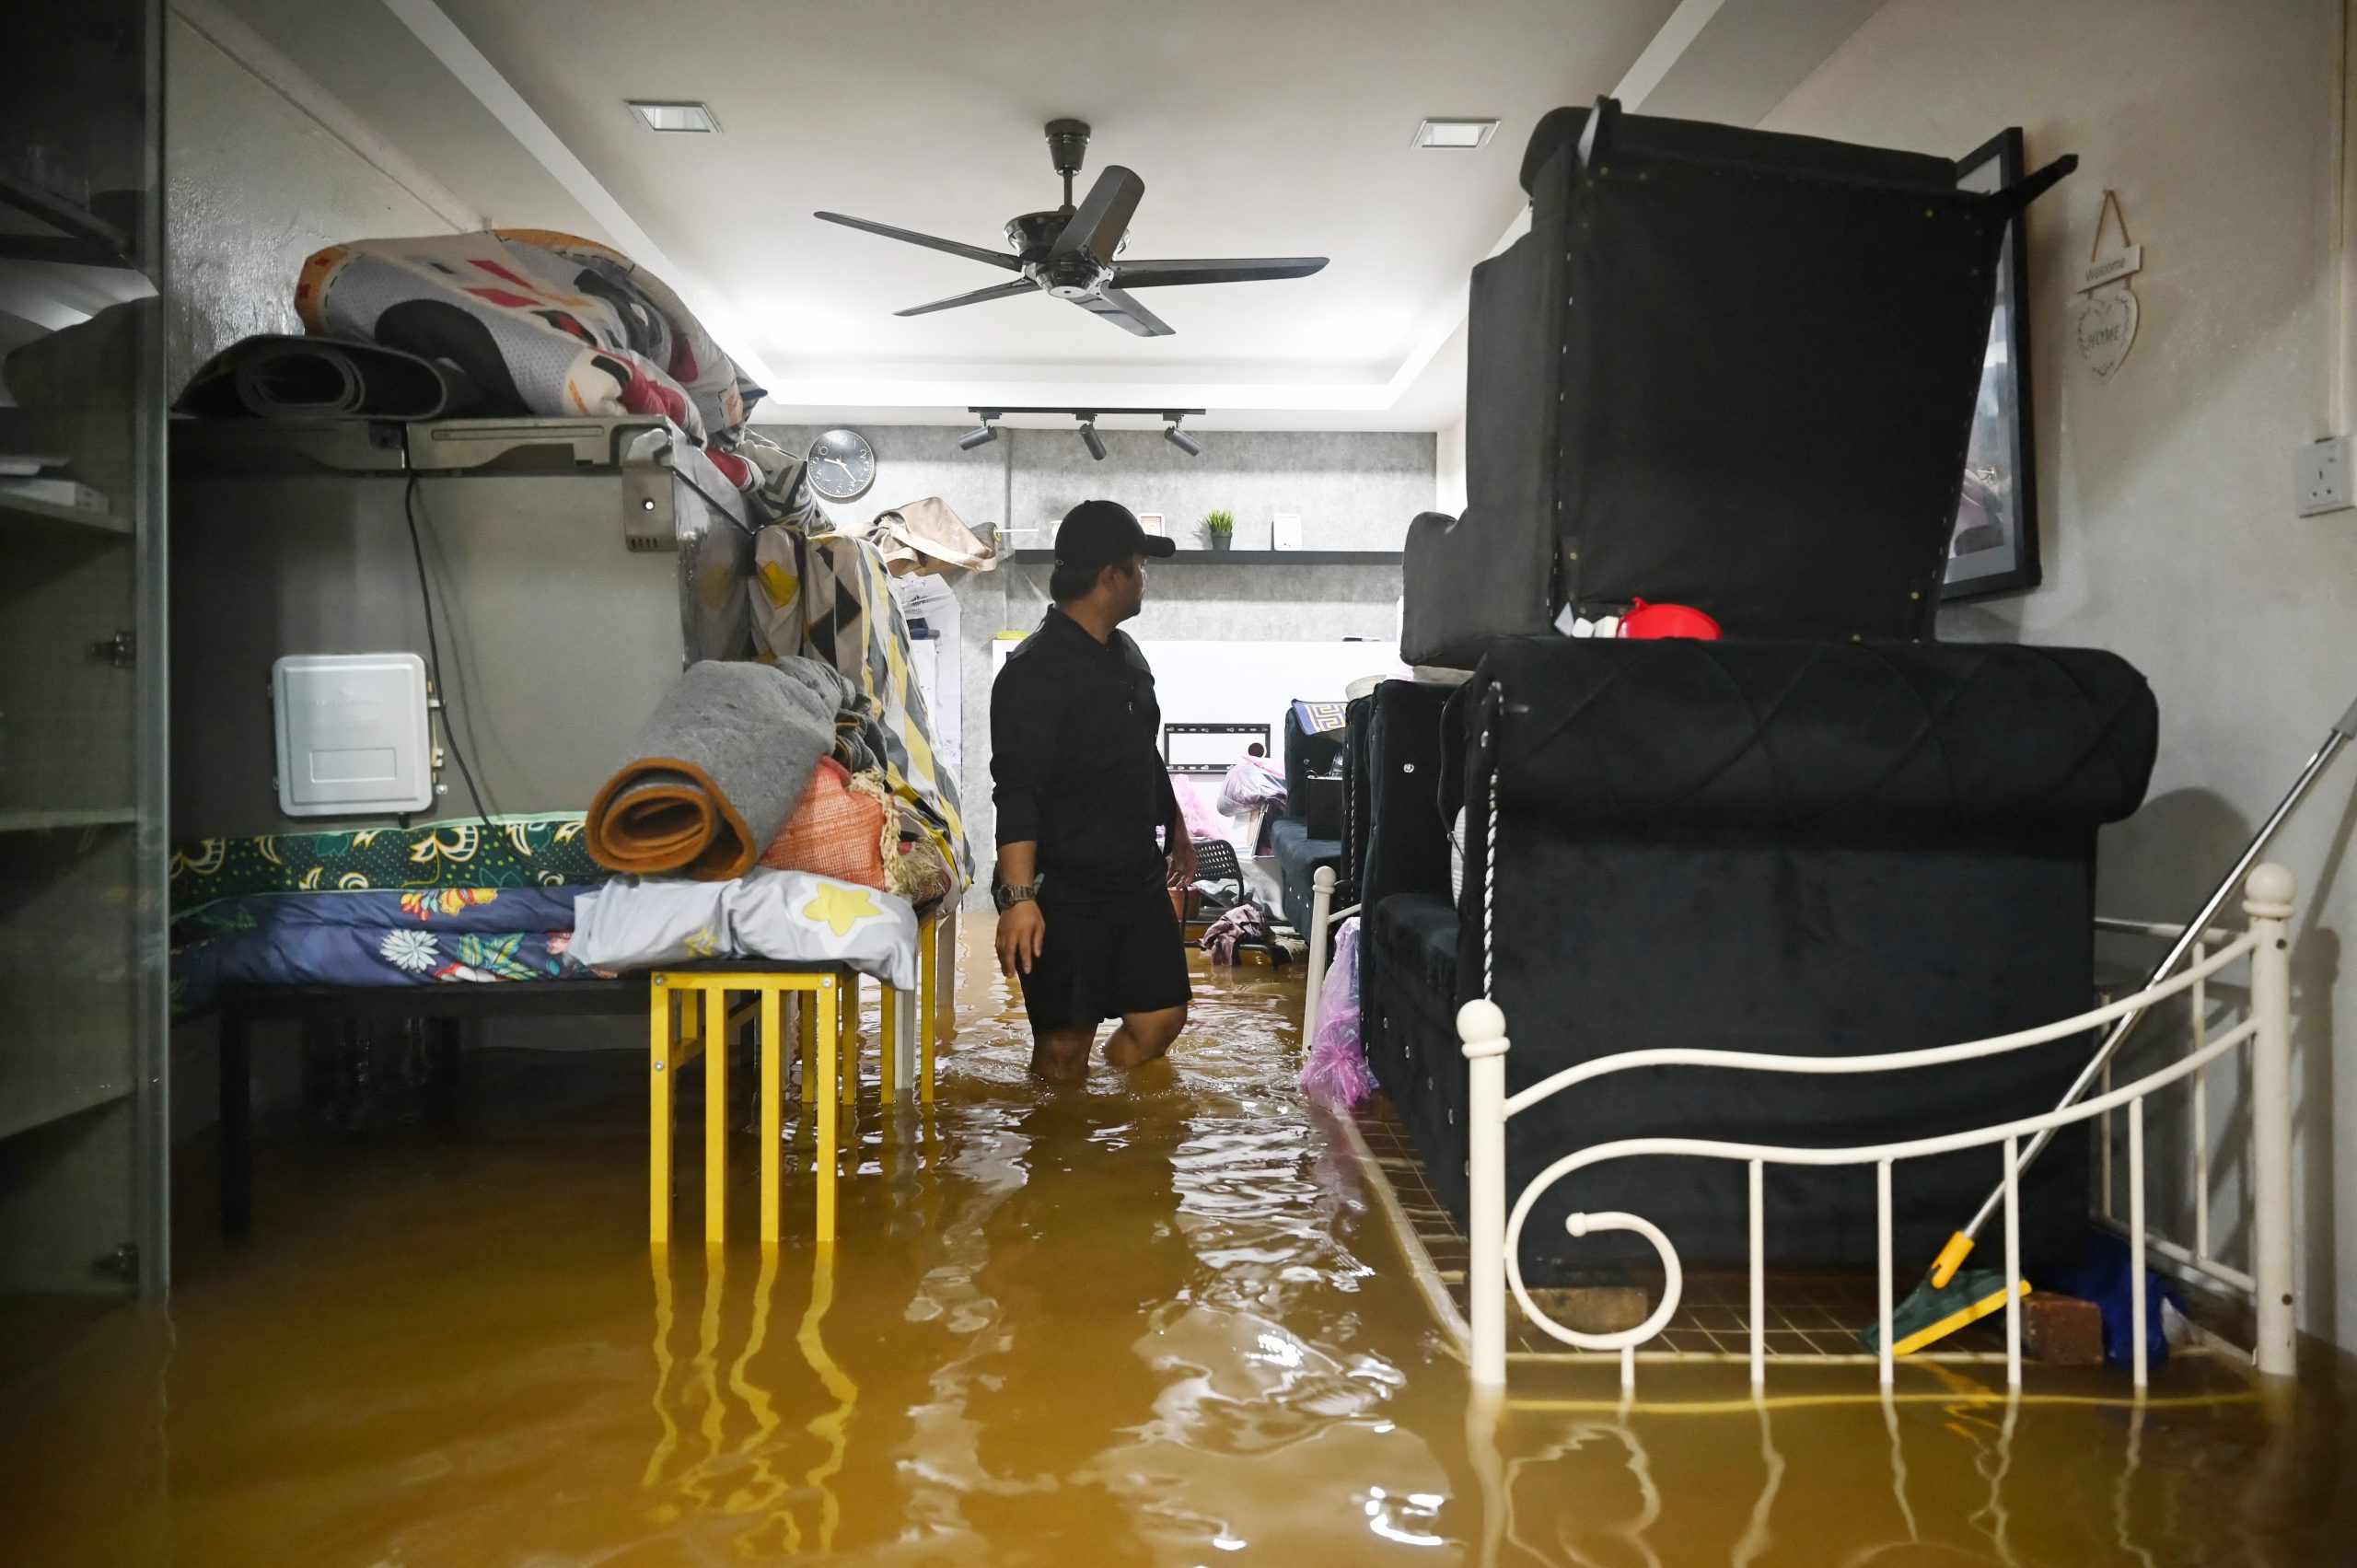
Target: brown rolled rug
<point>716,771</point>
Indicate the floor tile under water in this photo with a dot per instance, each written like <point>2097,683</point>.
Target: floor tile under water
<point>1156,1320</point>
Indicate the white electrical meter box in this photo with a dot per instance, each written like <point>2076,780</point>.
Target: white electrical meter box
<point>353,738</point>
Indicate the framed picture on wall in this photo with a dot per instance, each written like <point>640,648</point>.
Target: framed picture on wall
<point>1993,547</point>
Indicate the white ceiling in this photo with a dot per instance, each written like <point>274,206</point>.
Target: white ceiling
<point>1260,127</point>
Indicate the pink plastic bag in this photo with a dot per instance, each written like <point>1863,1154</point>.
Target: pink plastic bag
<point>1336,1074</point>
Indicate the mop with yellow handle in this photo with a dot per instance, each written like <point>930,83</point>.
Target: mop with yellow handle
<point>1951,1295</point>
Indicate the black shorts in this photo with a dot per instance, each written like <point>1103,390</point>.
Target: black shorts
<point>1103,958</point>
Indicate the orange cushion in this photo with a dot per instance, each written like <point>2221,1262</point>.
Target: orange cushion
<point>835,831</point>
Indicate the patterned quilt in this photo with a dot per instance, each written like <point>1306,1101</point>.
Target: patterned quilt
<point>524,852</point>
<point>429,936</point>
<point>547,323</point>
<point>831,599</point>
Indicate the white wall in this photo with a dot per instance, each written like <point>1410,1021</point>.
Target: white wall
<point>252,185</point>
<point>1448,470</point>
<point>2168,529</point>
<point>1354,490</point>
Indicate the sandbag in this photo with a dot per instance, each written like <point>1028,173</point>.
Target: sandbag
<point>716,771</point>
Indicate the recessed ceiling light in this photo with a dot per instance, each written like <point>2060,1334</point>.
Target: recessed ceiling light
<point>691,116</point>
<point>1454,136</point>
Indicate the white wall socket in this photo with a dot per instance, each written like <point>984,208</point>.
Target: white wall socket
<point>2320,476</point>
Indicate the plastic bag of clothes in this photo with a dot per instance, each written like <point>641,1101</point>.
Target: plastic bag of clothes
<point>1252,783</point>
<point>1336,1073</point>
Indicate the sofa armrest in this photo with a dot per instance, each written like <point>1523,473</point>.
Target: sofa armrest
<point>1407,839</point>
<point>1470,580</point>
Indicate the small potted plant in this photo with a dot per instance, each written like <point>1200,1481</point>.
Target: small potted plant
<point>1219,527</point>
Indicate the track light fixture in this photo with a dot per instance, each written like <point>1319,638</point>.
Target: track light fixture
<point>987,431</point>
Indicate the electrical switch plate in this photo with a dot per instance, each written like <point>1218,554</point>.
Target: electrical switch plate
<point>2321,479</point>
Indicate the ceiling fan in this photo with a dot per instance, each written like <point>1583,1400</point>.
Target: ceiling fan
<point>1068,253</point>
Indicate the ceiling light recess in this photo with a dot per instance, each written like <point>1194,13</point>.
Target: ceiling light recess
<point>658,115</point>
<point>1454,136</point>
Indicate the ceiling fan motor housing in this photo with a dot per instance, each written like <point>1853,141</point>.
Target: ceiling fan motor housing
<point>1068,144</point>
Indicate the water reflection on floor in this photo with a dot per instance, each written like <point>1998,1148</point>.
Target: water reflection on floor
<point>1152,1321</point>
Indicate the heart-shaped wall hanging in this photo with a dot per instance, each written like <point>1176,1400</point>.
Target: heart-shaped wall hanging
<point>2106,328</point>
<point>2104,321</point>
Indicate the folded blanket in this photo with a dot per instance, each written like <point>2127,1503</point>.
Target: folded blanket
<point>785,916</point>
<point>717,770</point>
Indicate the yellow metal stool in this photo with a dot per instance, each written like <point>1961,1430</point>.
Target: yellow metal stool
<point>677,1036</point>
<point>679,1031</point>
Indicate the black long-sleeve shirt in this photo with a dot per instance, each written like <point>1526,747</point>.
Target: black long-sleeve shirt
<point>1076,763</point>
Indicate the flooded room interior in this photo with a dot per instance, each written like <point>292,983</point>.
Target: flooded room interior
<point>928,783</point>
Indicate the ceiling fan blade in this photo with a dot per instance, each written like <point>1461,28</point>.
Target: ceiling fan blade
<point>1104,215</point>
<point>976,296</point>
<point>971,253</point>
<point>1127,314</point>
<point>1161,275</point>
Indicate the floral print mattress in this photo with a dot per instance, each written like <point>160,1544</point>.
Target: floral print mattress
<point>547,851</point>
<point>372,938</point>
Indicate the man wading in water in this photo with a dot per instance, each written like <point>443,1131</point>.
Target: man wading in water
<point>1084,915</point>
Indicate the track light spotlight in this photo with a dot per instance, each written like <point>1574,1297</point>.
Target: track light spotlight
<point>1090,439</point>
<point>1181,440</point>
<point>981,435</point>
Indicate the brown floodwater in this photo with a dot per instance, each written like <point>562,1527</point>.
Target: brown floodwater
<point>1154,1320</point>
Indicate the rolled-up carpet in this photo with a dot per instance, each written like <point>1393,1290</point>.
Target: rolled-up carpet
<point>278,375</point>
<point>717,770</point>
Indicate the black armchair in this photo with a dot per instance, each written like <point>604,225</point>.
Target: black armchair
<point>1726,368</point>
<point>1309,835</point>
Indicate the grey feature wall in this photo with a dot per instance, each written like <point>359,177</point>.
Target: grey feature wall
<point>1352,490</point>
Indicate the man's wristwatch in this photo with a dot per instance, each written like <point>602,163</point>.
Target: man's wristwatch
<point>1008,894</point>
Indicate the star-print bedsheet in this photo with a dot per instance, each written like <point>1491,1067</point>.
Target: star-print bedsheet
<point>785,916</point>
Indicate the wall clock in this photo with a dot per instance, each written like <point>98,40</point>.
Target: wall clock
<point>841,465</point>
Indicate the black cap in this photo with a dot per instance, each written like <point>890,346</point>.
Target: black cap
<point>1106,533</point>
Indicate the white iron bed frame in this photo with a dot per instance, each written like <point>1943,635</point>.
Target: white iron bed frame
<point>2265,1033</point>
<point>1495,1230</point>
